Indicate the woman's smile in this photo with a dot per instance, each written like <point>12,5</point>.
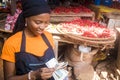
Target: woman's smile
<point>40,31</point>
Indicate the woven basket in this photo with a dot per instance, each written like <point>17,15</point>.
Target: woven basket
<point>88,38</point>
<point>99,44</point>
<point>95,42</point>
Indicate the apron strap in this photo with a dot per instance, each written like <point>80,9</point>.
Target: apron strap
<point>46,40</point>
<point>23,48</point>
<point>23,42</point>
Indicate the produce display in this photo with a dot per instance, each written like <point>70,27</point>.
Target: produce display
<point>86,28</point>
<point>62,13</point>
<point>71,9</point>
<point>86,31</point>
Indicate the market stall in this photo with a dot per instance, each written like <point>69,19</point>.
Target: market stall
<point>79,38</point>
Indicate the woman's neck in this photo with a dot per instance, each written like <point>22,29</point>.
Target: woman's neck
<point>28,33</point>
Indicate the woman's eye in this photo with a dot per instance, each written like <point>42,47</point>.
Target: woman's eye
<point>38,22</point>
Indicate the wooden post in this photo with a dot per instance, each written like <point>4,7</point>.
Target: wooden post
<point>13,7</point>
<point>118,54</point>
<point>56,48</point>
<point>118,57</point>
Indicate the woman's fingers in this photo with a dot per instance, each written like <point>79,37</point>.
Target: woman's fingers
<point>47,70</point>
<point>46,73</point>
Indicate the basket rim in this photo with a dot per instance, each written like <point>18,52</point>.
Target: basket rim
<point>98,44</point>
<point>86,38</point>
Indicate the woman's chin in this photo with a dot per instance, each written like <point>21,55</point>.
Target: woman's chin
<point>39,32</point>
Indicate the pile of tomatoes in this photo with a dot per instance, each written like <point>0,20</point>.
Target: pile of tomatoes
<point>74,9</point>
<point>86,28</point>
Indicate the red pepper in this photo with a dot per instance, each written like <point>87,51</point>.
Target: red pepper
<point>88,34</point>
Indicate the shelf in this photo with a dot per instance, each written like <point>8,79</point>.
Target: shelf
<point>2,30</point>
<point>71,16</point>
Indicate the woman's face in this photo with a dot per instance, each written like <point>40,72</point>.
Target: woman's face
<point>37,24</point>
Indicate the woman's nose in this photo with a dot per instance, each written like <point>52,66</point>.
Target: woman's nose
<point>42,26</point>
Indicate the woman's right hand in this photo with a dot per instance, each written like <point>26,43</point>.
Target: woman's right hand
<point>44,73</point>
